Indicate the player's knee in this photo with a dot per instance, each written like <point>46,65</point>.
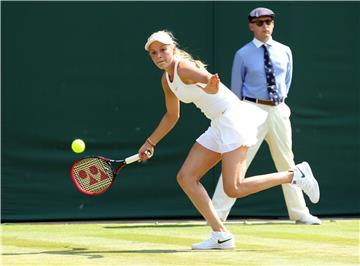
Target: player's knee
<point>184,180</point>
<point>230,192</point>
<point>181,179</point>
<point>234,191</point>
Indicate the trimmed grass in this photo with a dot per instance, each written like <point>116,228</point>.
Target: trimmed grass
<point>258,243</point>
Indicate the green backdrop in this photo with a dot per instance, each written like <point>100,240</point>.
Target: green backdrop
<point>79,70</point>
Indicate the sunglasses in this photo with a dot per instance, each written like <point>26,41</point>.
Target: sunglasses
<point>260,22</point>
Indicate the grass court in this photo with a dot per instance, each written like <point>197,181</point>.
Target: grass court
<point>259,242</point>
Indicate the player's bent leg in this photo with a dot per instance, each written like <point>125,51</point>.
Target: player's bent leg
<point>233,170</point>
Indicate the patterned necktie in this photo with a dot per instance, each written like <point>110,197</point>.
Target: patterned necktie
<point>270,78</point>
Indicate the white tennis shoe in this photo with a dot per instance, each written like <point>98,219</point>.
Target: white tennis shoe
<point>304,178</point>
<point>217,240</point>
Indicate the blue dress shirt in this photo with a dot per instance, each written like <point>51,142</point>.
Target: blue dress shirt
<point>248,73</point>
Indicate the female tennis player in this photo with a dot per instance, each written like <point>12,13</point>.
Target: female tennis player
<point>232,130</point>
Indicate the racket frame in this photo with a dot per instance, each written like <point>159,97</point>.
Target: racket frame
<point>110,163</point>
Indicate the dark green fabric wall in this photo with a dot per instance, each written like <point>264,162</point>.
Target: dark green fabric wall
<point>78,70</point>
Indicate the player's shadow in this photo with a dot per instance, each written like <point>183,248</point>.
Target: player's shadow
<point>91,254</point>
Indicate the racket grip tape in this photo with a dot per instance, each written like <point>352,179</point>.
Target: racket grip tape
<point>136,157</point>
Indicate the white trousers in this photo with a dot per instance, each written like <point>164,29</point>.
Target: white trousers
<point>276,131</point>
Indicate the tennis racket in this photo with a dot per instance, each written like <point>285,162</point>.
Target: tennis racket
<point>94,175</point>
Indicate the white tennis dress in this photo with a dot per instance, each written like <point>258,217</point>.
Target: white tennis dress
<point>233,124</point>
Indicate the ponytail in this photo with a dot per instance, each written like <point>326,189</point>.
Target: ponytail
<point>183,54</point>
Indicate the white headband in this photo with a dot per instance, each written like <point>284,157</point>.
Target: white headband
<point>160,36</point>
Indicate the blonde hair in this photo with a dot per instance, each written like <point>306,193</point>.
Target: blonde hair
<point>180,53</point>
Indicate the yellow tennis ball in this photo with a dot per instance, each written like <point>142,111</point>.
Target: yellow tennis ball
<point>78,146</point>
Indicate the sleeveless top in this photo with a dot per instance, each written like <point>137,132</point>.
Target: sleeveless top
<point>212,105</point>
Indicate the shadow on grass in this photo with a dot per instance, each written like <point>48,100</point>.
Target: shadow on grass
<point>127,226</point>
<point>97,254</point>
<point>100,254</point>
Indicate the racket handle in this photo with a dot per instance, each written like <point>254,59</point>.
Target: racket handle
<point>136,157</point>
<point>132,159</point>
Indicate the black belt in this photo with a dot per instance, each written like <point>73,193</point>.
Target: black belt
<point>266,102</point>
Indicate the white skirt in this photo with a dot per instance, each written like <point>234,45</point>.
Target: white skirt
<point>234,128</point>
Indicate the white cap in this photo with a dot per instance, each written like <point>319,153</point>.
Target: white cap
<point>160,36</point>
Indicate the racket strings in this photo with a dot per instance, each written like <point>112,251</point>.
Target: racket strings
<point>93,175</point>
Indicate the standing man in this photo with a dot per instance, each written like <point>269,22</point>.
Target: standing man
<point>261,74</point>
